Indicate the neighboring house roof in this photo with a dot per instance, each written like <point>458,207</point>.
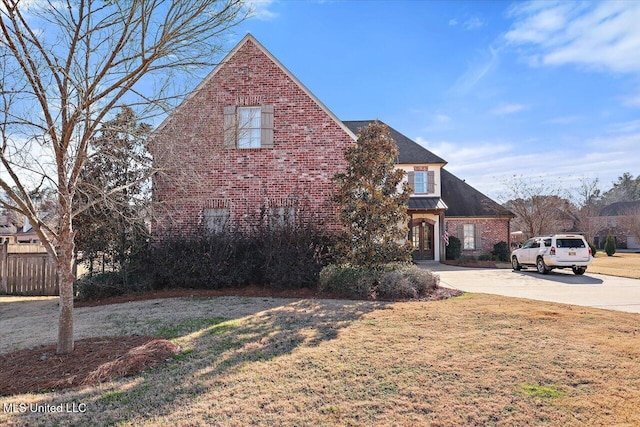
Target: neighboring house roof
<point>620,208</point>
<point>410,152</point>
<point>465,201</point>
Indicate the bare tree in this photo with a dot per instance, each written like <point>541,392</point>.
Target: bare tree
<point>540,208</point>
<point>588,202</point>
<point>67,66</point>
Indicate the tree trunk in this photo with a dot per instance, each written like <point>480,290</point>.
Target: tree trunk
<point>66,278</point>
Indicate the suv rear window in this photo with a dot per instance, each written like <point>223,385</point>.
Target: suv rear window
<point>570,243</point>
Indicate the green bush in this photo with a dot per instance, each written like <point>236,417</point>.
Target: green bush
<point>348,281</point>
<point>485,257</point>
<point>610,245</point>
<point>388,282</point>
<point>283,258</point>
<point>454,248</point>
<point>593,249</point>
<point>102,285</point>
<point>467,259</point>
<point>501,251</point>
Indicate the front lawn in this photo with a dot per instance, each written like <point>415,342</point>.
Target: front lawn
<point>620,264</point>
<point>472,360</point>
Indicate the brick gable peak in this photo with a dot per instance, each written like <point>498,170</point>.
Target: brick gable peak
<point>249,38</point>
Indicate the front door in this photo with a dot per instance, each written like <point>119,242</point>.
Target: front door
<point>422,239</point>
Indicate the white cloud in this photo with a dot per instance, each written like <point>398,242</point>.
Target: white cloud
<point>488,165</point>
<point>453,22</point>
<point>564,120</point>
<point>473,23</point>
<point>602,36</point>
<point>625,127</point>
<point>476,73</point>
<point>260,9</point>
<point>442,119</point>
<point>632,100</point>
<point>505,109</point>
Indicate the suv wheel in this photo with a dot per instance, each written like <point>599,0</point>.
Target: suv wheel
<point>578,270</point>
<point>541,266</point>
<point>515,264</point>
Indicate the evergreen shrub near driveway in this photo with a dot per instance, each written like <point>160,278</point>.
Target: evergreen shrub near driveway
<point>387,282</point>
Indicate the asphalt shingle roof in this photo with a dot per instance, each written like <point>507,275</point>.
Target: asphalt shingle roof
<point>462,200</point>
<point>619,208</point>
<point>465,201</point>
<point>410,151</point>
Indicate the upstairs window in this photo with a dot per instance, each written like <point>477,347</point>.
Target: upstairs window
<point>248,127</point>
<point>422,182</point>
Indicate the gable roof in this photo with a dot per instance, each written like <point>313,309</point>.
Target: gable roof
<point>410,152</point>
<point>619,208</point>
<point>465,201</point>
<point>250,39</point>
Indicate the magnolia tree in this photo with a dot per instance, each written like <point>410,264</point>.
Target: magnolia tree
<point>372,200</point>
<point>66,67</point>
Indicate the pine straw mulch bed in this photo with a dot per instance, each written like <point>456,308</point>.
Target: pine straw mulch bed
<point>103,359</point>
<point>94,360</point>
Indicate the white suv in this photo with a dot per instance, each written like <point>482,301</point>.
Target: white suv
<point>557,251</point>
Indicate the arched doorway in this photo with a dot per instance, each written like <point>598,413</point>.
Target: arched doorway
<point>422,238</point>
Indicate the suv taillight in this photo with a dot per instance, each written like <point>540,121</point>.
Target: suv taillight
<point>590,252</point>
<point>553,250</point>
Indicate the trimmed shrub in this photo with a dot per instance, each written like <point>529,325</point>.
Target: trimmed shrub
<point>102,285</point>
<point>423,281</point>
<point>211,262</point>
<point>467,259</point>
<point>285,258</point>
<point>293,257</point>
<point>388,282</point>
<point>454,248</point>
<point>501,251</point>
<point>348,281</point>
<point>485,257</point>
<point>610,245</point>
<point>394,285</point>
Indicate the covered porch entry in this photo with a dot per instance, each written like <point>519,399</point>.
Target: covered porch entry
<point>425,227</point>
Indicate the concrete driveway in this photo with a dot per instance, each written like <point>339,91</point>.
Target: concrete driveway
<point>591,290</point>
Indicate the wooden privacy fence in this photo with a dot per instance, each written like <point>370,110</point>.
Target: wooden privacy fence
<point>27,273</point>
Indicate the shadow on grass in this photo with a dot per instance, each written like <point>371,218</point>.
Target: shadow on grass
<point>211,352</point>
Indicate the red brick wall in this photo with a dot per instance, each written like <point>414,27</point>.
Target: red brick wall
<point>492,231</point>
<point>196,171</point>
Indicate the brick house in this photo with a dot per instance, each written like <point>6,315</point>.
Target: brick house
<point>251,144</point>
<point>619,219</point>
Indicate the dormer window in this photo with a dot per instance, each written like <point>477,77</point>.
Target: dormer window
<point>422,181</point>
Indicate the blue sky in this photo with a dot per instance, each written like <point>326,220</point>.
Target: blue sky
<point>538,89</point>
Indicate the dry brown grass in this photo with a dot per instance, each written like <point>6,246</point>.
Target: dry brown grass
<point>473,360</point>
<point>620,264</point>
